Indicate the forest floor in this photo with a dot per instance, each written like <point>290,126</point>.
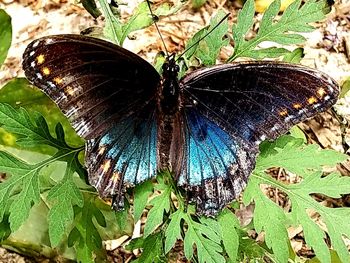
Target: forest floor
<point>327,49</point>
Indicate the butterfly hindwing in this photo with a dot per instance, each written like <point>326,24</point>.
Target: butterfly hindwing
<point>124,156</point>
<point>93,82</point>
<point>259,100</point>
<point>215,166</point>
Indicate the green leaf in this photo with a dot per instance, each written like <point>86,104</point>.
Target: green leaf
<point>272,52</point>
<point>19,93</point>
<point>198,3</point>
<point>295,56</point>
<point>210,47</point>
<point>173,231</point>
<point>305,161</point>
<point>345,87</point>
<point>152,250</point>
<point>299,160</point>
<point>113,26</point>
<point>142,192</point>
<point>206,238</point>
<point>228,223</point>
<point>90,6</point>
<point>88,242</point>
<point>244,23</point>
<point>161,204</point>
<point>270,218</point>
<point>5,35</point>
<point>295,19</point>
<point>64,196</point>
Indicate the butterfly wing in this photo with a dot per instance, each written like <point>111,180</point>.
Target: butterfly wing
<point>108,94</point>
<point>215,166</point>
<point>92,81</point>
<point>229,110</point>
<point>124,156</point>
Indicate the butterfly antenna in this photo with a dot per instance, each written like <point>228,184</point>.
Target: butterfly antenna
<point>154,18</point>
<point>196,43</point>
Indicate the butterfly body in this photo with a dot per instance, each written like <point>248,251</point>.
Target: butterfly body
<point>206,128</point>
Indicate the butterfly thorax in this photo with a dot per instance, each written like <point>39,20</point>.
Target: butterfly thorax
<point>170,90</point>
<point>168,109</point>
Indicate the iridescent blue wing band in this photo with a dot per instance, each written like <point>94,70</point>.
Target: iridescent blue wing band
<point>216,166</point>
<point>124,156</point>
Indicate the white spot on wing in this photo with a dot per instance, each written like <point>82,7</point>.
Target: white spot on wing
<point>39,76</point>
<point>32,53</point>
<point>288,118</point>
<point>51,84</point>
<point>302,111</point>
<point>327,97</point>
<point>71,111</point>
<point>32,64</point>
<point>36,43</point>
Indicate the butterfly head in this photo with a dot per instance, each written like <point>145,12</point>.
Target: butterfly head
<point>170,68</point>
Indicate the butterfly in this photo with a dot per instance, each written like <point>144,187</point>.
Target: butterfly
<point>206,128</point>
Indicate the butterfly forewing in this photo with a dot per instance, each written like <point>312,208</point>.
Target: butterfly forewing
<point>93,81</point>
<point>259,100</point>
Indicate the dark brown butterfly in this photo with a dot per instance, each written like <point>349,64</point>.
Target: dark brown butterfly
<point>206,127</point>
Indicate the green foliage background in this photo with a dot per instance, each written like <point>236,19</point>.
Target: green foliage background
<point>41,156</point>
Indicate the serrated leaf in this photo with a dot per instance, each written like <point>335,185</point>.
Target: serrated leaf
<point>161,204</point>
<point>210,47</point>
<point>299,160</point>
<point>5,35</point>
<point>206,240</point>
<point>173,231</point>
<point>270,218</point>
<point>29,196</point>
<point>90,242</point>
<point>295,19</point>
<point>64,196</point>
<point>142,192</point>
<point>19,93</point>
<point>152,250</point>
<point>244,22</point>
<point>230,238</point>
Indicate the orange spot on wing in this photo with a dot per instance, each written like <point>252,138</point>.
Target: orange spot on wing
<point>321,92</point>
<point>106,165</point>
<point>46,71</point>
<point>297,106</point>
<point>283,112</point>
<point>57,80</point>
<point>70,91</point>
<point>101,150</point>
<point>116,177</point>
<point>40,59</point>
<point>311,100</point>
